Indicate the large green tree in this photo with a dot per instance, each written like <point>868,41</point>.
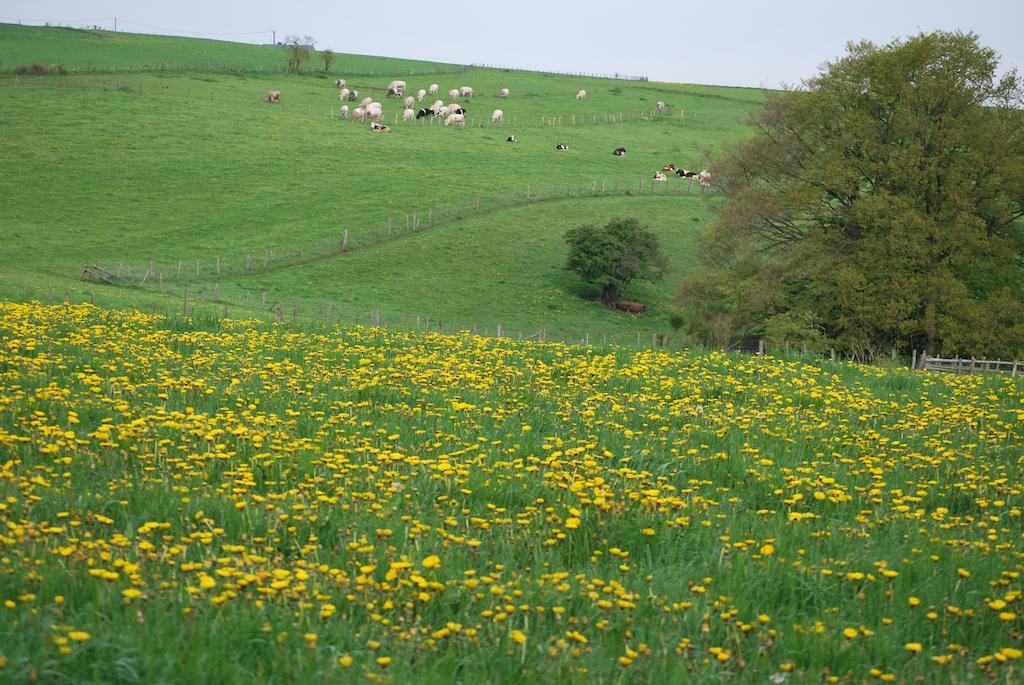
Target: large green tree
<point>878,206</point>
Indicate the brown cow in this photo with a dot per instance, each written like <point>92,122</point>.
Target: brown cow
<point>631,307</point>
<point>274,96</point>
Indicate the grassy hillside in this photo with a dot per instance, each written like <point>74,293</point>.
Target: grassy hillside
<point>247,502</point>
<point>80,50</point>
<point>176,168</point>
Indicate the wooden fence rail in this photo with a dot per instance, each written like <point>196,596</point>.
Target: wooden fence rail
<point>965,366</point>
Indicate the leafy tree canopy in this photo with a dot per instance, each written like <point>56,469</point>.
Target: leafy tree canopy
<point>879,206</point>
<point>610,257</point>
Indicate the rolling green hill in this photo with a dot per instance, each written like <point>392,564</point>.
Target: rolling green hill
<point>176,168</point>
<point>105,51</point>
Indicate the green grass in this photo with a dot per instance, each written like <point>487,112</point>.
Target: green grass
<point>106,51</point>
<point>188,166</point>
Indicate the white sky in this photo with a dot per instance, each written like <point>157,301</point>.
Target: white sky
<point>738,42</point>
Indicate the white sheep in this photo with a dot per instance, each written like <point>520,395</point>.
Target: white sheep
<point>410,101</point>
<point>659,107</point>
<point>459,119</point>
<point>438,104</point>
<point>344,111</point>
<point>503,93</point>
<point>442,111</point>
<point>359,113</point>
<point>375,110</point>
<point>580,95</point>
<point>408,115</point>
<point>396,88</point>
<point>340,83</point>
<point>497,116</point>
<point>433,89</point>
<point>454,93</point>
<point>420,94</point>
<point>466,92</point>
<point>366,101</point>
<point>343,94</point>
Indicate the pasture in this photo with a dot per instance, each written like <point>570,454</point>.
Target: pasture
<point>183,166</point>
<point>231,499</point>
<point>238,501</point>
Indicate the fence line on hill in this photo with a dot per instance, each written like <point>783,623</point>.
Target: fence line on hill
<point>281,311</point>
<point>321,313</point>
<point>515,121</point>
<point>332,108</point>
<point>161,275</point>
<point>548,72</point>
<point>210,68</point>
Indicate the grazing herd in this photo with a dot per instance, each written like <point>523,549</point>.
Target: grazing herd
<point>454,114</point>
<point>704,177</point>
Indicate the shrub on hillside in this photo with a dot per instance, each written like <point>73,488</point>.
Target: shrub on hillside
<point>610,257</point>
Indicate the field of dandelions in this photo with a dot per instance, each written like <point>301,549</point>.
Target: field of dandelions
<point>237,501</point>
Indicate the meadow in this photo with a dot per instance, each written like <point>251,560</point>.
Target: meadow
<point>178,167</point>
<point>224,498</point>
<point>238,501</point>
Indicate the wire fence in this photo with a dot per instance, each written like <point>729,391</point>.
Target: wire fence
<point>164,274</point>
<point>202,303</point>
<point>550,72</point>
<point>191,305</point>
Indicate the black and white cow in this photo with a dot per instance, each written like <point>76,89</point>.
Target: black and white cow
<point>561,146</point>
<point>424,113</point>
<point>512,139</point>
<point>620,152</point>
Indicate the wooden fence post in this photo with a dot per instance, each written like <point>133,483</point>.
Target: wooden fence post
<point>184,307</point>
<point>913,359</point>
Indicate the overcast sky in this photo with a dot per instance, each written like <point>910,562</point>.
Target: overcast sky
<point>742,42</point>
